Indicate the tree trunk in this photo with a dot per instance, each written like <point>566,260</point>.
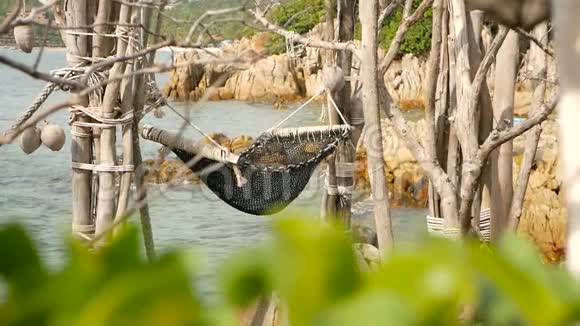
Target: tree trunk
<point>449,210</point>
<point>331,197</point>
<point>566,13</point>
<point>346,154</point>
<point>503,111</point>
<point>369,77</point>
<point>538,60</point>
<point>485,113</point>
<point>433,68</point>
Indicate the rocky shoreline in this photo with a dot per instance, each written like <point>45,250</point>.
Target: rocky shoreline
<point>281,78</point>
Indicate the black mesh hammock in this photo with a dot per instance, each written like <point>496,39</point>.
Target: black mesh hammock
<point>268,175</point>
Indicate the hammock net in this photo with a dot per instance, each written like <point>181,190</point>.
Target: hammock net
<point>270,173</point>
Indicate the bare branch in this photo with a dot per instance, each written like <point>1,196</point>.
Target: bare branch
<point>488,59</point>
<point>536,41</point>
<point>40,75</point>
<point>401,31</point>
<point>498,137</point>
<point>388,11</point>
<point>7,23</point>
<point>210,13</point>
<point>347,46</point>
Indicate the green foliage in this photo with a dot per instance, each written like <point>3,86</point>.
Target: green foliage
<point>299,16</point>
<point>417,40</point>
<point>183,16</point>
<point>311,267</point>
<point>304,14</point>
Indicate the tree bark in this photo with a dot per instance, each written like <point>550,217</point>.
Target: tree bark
<point>538,58</point>
<point>331,197</point>
<point>346,154</point>
<point>503,111</point>
<point>369,77</point>
<point>566,13</point>
<point>433,68</point>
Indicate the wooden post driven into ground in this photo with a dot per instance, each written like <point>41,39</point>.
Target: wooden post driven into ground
<point>369,77</point>
<point>101,202</point>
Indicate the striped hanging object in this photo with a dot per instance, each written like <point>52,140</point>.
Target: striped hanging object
<point>435,226</point>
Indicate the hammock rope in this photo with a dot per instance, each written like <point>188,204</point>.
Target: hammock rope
<point>269,174</point>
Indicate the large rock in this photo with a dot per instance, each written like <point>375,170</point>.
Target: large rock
<point>277,78</point>
<point>544,212</point>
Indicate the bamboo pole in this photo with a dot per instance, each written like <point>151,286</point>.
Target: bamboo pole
<point>127,133</point>
<point>106,194</point>
<point>75,14</point>
<point>139,104</point>
<point>369,77</point>
<point>101,44</point>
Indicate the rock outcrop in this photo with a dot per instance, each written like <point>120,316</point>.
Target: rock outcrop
<point>275,78</point>
<point>544,213</point>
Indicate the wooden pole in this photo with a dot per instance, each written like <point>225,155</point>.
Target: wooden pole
<point>127,97</point>
<point>106,195</point>
<point>449,209</point>
<point>503,111</point>
<point>369,77</point>
<point>346,154</point>
<point>433,68</point>
<point>140,97</point>
<point>538,59</point>
<point>485,113</point>
<point>331,196</point>
<point>75,13</point>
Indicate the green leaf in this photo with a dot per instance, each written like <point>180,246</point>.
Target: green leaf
<point>19,261</point>
<point>519,274</point>
<point>312,266</point>
<point>374,308</point>
<point>246,277</point>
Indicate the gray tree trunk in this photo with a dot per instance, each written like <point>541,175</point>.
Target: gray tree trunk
<point>538,59</point>
<point>503,111</point>
<point>369,77</point>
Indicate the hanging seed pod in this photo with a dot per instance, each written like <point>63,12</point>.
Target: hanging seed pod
<point>29,140</point>
<point>332,78</point>
<point>52,136</point>
<point>24,37</point>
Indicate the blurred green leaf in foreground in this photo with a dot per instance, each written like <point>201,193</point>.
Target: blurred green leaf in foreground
<point>312,268</point>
